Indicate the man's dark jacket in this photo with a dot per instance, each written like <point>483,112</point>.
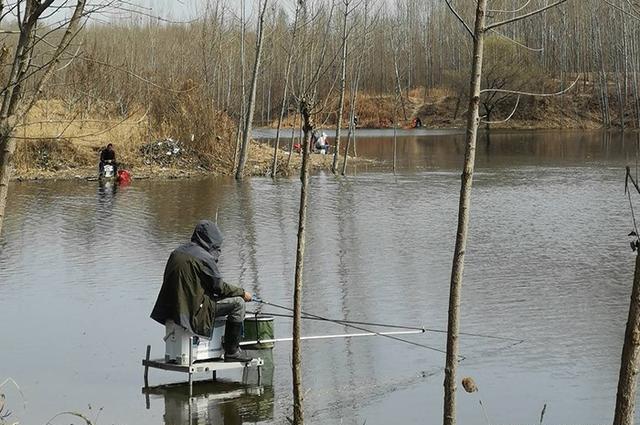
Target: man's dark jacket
<point>192,282</point>
<point>107,155</point>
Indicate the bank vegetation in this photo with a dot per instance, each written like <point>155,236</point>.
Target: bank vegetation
<point>142,79</point>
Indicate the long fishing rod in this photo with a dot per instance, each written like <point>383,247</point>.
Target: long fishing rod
<point>312,337</point>
<point>395,338</point>
<point>384,325</point>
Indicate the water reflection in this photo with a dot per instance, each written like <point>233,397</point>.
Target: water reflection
<point>214,403</point>
<point>548,261</point>
<point>498,148</point>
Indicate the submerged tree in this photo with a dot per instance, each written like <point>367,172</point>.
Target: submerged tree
<point>312,51</point>
<point>478,35</point>
<point>630,361</point>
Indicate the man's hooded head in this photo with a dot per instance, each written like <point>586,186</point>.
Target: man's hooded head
<point>208,236</point>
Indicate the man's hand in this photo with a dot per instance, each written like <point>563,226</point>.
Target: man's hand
<point>247,296</point>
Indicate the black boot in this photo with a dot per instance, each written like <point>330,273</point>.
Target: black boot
<point>232,351</point>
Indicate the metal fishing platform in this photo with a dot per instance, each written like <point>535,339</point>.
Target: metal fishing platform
<point>191,354</point>
<point>193,367</point>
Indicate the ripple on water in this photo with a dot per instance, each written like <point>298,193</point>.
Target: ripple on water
<point>547,261</point>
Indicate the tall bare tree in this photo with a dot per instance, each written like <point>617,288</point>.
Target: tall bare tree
<point>343,80</point>
<point>630,363</point>
<point>285,94</point>
<point>17,96</point>
<point>248,123</point>
<point>478,35</point>
<point>298,396</point>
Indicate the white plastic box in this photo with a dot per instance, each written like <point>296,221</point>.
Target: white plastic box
<point>177,343</point>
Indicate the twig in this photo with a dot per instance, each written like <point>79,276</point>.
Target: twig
<point>450,6</point>
<point>511,11</point>
<point>15,384</point>
<point>526,15</point>
<point>532,94</point>
<point>78,415</point>
<point>508,118</point>
<point>533,49</point>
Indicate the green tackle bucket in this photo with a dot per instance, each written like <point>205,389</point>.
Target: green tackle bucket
<point>258,328</point>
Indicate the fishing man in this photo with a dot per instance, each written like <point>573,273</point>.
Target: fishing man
<point>108,156</point>
<point>193,292</point>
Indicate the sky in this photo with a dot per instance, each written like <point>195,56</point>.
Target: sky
<point>180,10</point>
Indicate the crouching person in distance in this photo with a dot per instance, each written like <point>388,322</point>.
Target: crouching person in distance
<point>193,293</point>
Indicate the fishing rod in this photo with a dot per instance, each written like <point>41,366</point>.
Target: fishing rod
<point>385,335</point>
<point>312,337</point>
<point>384,325</point>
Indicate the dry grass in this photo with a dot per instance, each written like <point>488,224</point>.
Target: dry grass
<point>439,107</point>
<point>54,138</point>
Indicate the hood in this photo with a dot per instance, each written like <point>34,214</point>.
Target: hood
<point>208,236</point>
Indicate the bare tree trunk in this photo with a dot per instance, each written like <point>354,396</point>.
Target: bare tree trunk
<point>605,79</point>
<point>287,72</point>
<point>8,145</point>
<point>395,140</point>
<point>352,115</point>
<point>246,135</point>
<point>398,85</point>
<point>292,142</point>
<point>627,382</point>
<point>457,269</point>
<point>243,105</point>
<point>15,104</point>
<point>343,78</point>
<point>298,395</point>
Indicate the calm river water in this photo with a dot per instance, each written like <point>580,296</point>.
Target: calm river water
<point>548,261</point>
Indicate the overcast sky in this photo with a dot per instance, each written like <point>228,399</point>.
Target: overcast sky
<point>181,10</point>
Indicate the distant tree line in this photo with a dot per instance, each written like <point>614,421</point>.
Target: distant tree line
<point>408,45</point>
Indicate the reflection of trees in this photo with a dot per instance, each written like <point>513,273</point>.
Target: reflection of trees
<point>502,148</point>
<point>248,242</point>
<point>174,206</point>
<point>347,254</point>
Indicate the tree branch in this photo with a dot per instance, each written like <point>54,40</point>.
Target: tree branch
<point>622,10</point>
<point>506,119</point>
<point>510,11</point>
<point>526,15</point>
<point>459,18</point>
<point>517,43</point>
<point>532,94</point>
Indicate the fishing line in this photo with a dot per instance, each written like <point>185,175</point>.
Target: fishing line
<point>384,325</point>
<point>357,327</point>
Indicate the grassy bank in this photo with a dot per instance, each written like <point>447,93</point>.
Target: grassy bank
<point>56,143</point>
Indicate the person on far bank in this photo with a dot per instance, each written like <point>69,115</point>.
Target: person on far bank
<point>108,156</point>
<point>193,292</point>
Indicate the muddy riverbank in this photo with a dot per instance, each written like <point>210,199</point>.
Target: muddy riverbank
<point>259,164</point>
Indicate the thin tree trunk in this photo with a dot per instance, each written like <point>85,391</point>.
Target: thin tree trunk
<point>287,72</point>
<point>395,140</point>
<point>343,77</point>
<point>243,105</point>
<point>246,135</point>
<point>352,114</point>
<point>398,85</point>
<point>627,383</point>
<point>8,146</point>
<point>293,139</point>
<point>457,269</point>
<point>620,95</point>
<point>298,395</point>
